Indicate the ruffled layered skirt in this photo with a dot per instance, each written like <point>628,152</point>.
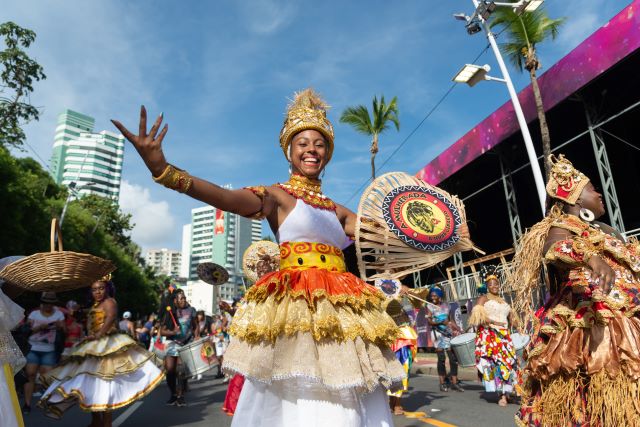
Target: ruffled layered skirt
<point>101,375</point>
<point>312,335</point>
<point>584,364</point>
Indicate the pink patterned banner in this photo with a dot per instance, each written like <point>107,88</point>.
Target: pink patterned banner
<point>603,49</point>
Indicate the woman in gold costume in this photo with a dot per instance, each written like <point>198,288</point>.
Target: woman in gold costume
<point>107,371</point>
<point>583,365</point>
<point>312,341</point>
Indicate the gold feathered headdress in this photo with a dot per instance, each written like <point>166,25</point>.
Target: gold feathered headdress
<point>307,111</point>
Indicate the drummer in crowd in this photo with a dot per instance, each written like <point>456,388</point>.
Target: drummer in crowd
<point>443,327</point>
<point>180,327</point>
<point>495,353</point>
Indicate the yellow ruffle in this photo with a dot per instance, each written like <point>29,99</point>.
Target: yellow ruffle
<point>265,321</point>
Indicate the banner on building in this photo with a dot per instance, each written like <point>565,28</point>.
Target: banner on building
<point>219,225</point>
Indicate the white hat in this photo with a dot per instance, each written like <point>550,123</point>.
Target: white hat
<point>126,315</point>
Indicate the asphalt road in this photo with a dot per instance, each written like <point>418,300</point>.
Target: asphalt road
<point>425,403</point>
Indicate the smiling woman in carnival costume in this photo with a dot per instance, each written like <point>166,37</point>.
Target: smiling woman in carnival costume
<point>107,371</point>
<point>495,353</point>
<point>312,341</point>
<point>583,366</point>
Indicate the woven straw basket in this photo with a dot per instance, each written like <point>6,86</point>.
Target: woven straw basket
<point>381,253</point>
<point>57,270</point>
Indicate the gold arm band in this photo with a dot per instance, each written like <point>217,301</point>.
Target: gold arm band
<point>175,179</point>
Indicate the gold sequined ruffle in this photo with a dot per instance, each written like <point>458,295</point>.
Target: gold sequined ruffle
<point>337,365</point>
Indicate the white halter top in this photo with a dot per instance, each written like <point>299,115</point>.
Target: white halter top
<point>308,224</point>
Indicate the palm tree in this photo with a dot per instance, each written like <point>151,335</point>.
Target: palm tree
<point>383,114</point>
<point>524,31</point>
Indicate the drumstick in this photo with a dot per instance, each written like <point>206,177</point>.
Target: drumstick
<point>420,299</point>
<point>175,324</point>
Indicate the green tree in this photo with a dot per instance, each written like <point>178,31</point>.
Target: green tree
<point>18,73</point>
<point>524,32</point>
<point>383,115</point>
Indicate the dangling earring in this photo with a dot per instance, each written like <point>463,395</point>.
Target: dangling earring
<point>290,168</point>
<point>586,215</point>
<point>323,172</point>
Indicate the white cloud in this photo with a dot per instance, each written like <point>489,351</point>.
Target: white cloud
<point>153,219</point>
<point>267,16</point>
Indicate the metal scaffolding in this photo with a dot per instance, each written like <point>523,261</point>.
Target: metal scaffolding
<point>510,196</point>
<point>606,175</point>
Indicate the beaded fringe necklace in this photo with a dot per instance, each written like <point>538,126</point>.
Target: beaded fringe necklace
<point>308,190</point>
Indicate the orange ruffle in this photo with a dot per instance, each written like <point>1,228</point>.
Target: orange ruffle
<point>314,283</point>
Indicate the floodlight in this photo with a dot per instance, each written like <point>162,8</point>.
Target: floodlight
<point>485,9</point>
<point>472,74</point>
<point>461,17</point>
<point>528,6</point>
<point>473,27</point>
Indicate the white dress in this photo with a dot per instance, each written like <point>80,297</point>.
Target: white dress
<point>303,398</point>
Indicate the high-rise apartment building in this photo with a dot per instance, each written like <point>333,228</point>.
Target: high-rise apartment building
<point>220,237</point>
<point>92,160</point>
<point>164,261</point>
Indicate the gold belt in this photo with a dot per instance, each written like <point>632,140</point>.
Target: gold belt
<point>305,255</point>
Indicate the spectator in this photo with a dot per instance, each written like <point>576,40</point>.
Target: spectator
<point>44,323</point>
<point>74,331</point>
<point>126,325</point>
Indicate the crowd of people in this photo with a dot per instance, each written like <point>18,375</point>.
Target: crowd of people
<point>313,338</point>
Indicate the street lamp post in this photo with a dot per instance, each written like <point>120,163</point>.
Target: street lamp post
<point>73,192</point>
<point>526,135</point>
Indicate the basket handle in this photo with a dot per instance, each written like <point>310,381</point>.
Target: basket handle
<point>55,229</point>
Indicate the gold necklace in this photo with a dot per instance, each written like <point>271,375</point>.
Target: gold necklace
<point>308,190</point>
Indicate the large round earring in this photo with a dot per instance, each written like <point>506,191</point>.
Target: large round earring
<point>586,215</point>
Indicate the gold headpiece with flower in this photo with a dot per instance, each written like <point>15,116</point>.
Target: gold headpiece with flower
<point>565,182</point>
<point>307,111</point>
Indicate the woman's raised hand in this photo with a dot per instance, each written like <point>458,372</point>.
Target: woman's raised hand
<point>148,145</point>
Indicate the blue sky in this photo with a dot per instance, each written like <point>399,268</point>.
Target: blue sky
<point>222,72</point>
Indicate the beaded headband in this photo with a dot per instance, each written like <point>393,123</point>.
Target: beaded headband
<point>565,182</point>
<point>307,111</point>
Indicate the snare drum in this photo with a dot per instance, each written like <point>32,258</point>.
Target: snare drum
<point>464,346</point>
<point>519,343</point>
<point>198,356</point>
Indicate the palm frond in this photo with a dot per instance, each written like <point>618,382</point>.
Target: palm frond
<point>358,117</point>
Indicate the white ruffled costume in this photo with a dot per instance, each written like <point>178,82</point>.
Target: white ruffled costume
<point>301,375</point>
<point>101,375</point>
<point>11,361</point>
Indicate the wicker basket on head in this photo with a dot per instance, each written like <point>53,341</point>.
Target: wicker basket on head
<point>406,225</point>
<point>57,270</point>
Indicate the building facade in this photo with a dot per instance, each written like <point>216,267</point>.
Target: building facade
<point>219,237</point>
<point>93,161</point>
<point>164,261</point>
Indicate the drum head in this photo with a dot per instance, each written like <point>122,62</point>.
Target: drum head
<point>260,258</point>
<point>212,274</point>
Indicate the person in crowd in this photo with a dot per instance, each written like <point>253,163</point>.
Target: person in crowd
<point>204,323</point>
<point>126,325</point>
<point>144,331</point>
<point>583,365</point>
<point>495,354</point>
<point>305,341</point>
<point>405,347</point>
<point>108,370</point>
<point>11,358</point>
<point>44,322</point>
<point>443,328</point>
<point>73,327</point>
<point>180,328</point>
